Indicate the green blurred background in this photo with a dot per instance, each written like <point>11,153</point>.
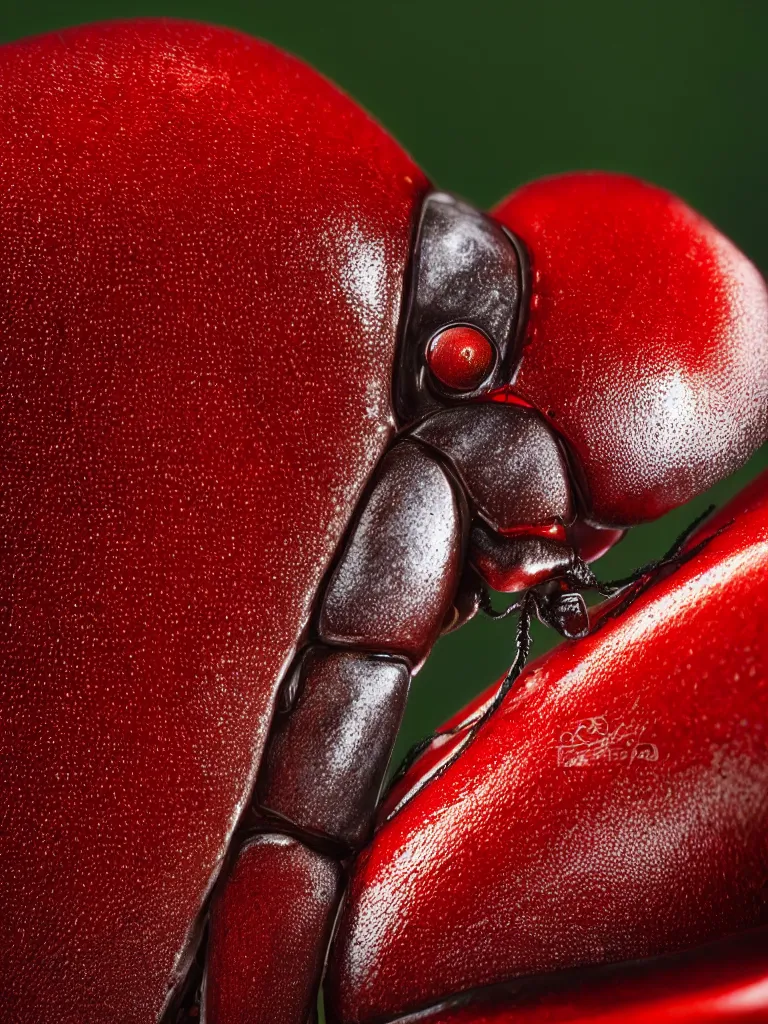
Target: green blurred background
<point>488,94</point>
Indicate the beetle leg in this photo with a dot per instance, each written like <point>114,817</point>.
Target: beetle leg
<point>645,578</point>
<point>524,642</point>
<point>629,589</point>
<point>331,741</point>
<point>673,557</point>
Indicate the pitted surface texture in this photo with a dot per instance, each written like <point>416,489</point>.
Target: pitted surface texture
<point>202,249</point>
<point>646,343</point>
<point>615,806</point>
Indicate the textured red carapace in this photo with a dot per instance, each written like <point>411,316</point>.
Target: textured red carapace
<point>635,297</point>
<point>615,806</point>
<point>202,252</point>
<point>203,247</point>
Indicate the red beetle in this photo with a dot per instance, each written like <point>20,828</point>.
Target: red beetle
<point>615,807</point>
<point>274,414</point>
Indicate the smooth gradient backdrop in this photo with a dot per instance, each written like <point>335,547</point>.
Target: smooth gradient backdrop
<point>488,94</point>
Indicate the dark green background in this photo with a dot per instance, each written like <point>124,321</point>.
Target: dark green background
<point>488,94</point>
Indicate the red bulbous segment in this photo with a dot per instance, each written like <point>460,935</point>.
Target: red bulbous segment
<point>647,341</point>
<point>269,929</point>
<point>615,806</point>
<point>723,983</point>
<point>195,229</point>
<point>460,357</point>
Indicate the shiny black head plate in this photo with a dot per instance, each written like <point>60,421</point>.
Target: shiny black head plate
<point>465,269</point>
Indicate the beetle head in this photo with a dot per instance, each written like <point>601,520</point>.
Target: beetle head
<point>624,319</point>
<point>466,312</point>
<point>463,327</point>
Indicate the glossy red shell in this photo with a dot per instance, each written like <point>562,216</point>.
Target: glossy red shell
<point>202,250</point>
<point>722,983</point>
<point>616,805</point>
<point>647,341</point>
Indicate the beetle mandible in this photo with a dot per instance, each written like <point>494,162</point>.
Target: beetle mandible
<point>273,421</point>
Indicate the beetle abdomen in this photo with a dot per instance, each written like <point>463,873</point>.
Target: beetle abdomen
<point>202,249</point>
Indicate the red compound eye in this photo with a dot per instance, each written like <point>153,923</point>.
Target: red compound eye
<point>460,358</point>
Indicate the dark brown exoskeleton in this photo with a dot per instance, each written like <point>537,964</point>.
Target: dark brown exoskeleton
<point>473,494</point>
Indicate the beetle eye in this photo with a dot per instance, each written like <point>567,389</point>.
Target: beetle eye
<point>460,357</point>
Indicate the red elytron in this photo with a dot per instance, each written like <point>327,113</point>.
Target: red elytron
<point>274,414</point>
